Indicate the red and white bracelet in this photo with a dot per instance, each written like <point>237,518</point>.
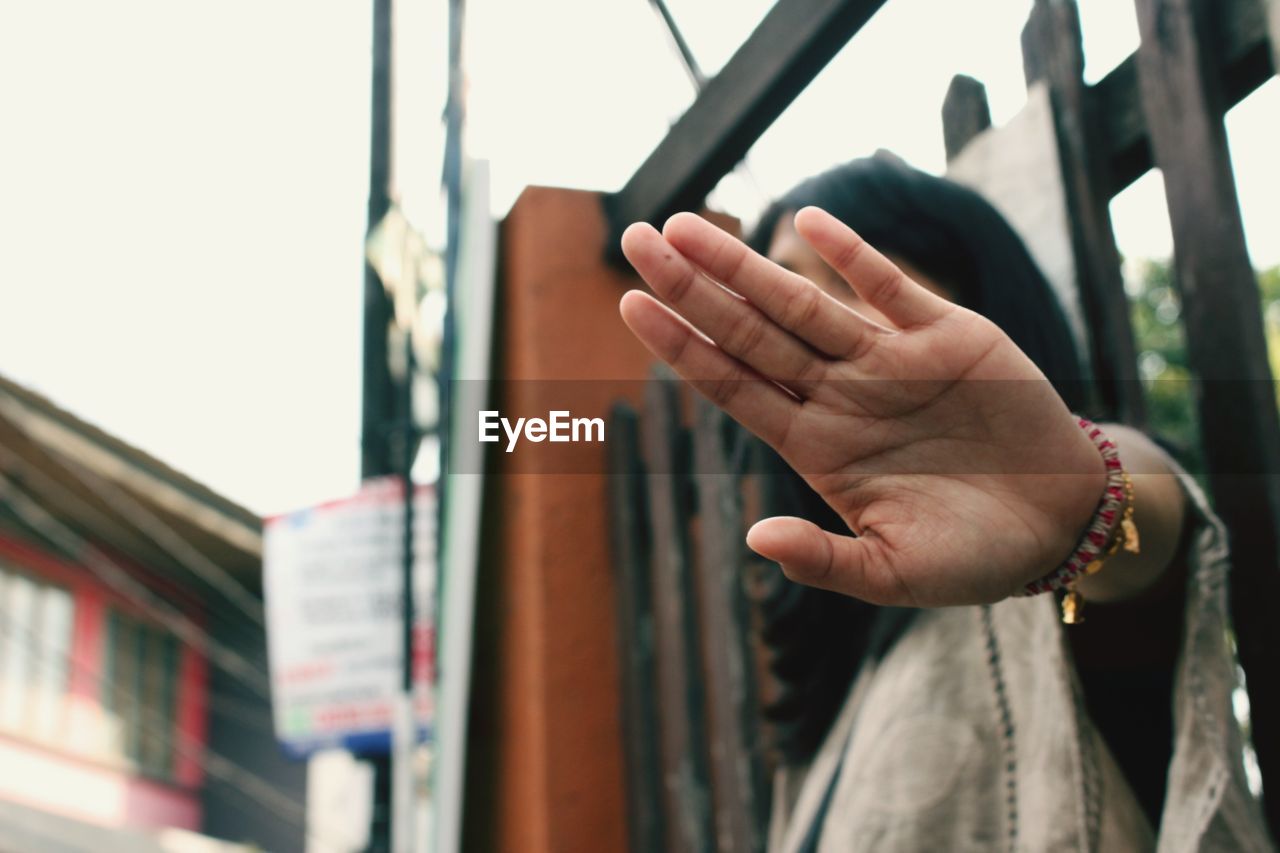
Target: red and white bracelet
<point>1110,528</point>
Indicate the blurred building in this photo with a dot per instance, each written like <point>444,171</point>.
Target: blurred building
<point>134,709</point>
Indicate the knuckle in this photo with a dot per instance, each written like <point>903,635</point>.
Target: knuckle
<point>887,287</point>
<point>728,258</point>
<point>861,346</point>
<point>679,356</point>
<point>812,371</point>
<point>737,257</point>
<point>722,390</point>
<point>681,284</point>
<point>745,332</point>
<point>849,253</point>
<point>804,308</point>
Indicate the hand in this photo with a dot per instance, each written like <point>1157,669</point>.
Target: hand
<point>941,445</point>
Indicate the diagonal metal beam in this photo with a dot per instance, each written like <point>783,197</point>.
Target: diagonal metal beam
<point>785,52</point>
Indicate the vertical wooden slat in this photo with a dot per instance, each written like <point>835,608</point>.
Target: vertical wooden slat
<point>631,550</point>
<point>739,788</point>
<point>965,113</point>
<point>1225,341</point>
<point>682,741</point>
<point>1052,52</point>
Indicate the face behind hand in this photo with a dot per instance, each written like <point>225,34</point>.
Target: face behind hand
<point>788,250</point>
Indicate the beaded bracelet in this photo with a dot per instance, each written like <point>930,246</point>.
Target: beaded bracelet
<point>1102,538</point>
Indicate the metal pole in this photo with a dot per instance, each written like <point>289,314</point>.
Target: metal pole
<point>377,412</point>
<point>451,179</point>
<point>378,409</point>
<point>405,728</point>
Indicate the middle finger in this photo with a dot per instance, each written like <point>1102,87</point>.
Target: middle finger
<point>734,324</point>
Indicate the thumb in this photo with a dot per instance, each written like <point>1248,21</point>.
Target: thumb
<point>812,556</point>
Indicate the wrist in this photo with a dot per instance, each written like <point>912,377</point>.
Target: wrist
<point>1108,529</point>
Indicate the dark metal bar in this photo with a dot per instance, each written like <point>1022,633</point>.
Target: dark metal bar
<point>451,180</point>
<point>408,446</point>
<point>965,113</point>
<point>632,546</point>
<point>378,389</point>
<point>740,790</point>
<point>1052,52</point>
<point>378,404</point>
<point>796,39</point>
<point>1183,100</point>
<point>682,743</point>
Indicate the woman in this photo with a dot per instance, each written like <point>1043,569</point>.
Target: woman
<point>926,398</point>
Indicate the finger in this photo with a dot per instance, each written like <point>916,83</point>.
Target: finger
<point>735,325</point>
<point>812,556</point>
<point>792,301</point>
<point>875,278</point>
<point>756,403</point>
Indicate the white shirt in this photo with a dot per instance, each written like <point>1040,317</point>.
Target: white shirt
<point>971,734</point>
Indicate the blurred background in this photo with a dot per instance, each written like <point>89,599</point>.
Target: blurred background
<point>185,222</point>
<point>184,185</point>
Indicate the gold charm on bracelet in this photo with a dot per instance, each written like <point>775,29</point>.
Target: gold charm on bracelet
<point>1073,607</point>
<point>1131,542</point>
<point>1125,536</point>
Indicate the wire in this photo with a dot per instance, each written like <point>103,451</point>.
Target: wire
<point>237,709</point>
<point>25,472</point>
<point>154,527</point>
<point>681,47</point>
<point>163,535</point>
<point>217,765</point>
<point>243,780</point>
<point>136,592</point>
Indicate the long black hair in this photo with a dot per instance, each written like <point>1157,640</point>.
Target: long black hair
<point>954,236</point>
<point>818,640</point>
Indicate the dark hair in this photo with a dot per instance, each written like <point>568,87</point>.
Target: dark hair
<point>818,640</point>
<point>954,236</point>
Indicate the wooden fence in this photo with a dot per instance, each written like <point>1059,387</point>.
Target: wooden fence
<point>687,587</point>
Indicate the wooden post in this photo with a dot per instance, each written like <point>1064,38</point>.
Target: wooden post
<point>1242,53</point>
<point>631,542</point>
<point>1052,52</point>
<point>1226,343</point>
<point>683,744</point>
<point>965,113</point>
<point>739,788</point>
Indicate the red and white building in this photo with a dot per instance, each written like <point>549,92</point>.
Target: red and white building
<point>134,708</point>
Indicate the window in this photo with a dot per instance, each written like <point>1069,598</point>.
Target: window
<point>139,693</point>
<point>35,648</point>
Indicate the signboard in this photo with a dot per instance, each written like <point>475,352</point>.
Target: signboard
<point>333,576</point>
<point>1016,168</point>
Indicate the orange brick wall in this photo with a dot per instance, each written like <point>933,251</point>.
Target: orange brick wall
<point>545,758</point>
<point>546,770</point>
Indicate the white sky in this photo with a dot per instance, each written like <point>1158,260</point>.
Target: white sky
<point>183,185</point>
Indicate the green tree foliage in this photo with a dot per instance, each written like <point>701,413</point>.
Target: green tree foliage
<point>1162,353</point>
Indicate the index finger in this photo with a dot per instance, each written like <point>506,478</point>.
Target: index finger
<point>873,276</point>
<point>790,300</point>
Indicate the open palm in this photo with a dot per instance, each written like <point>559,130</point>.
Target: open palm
<point>940,444</point>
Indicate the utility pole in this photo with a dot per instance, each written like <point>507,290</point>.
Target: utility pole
<point>378,406</point>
